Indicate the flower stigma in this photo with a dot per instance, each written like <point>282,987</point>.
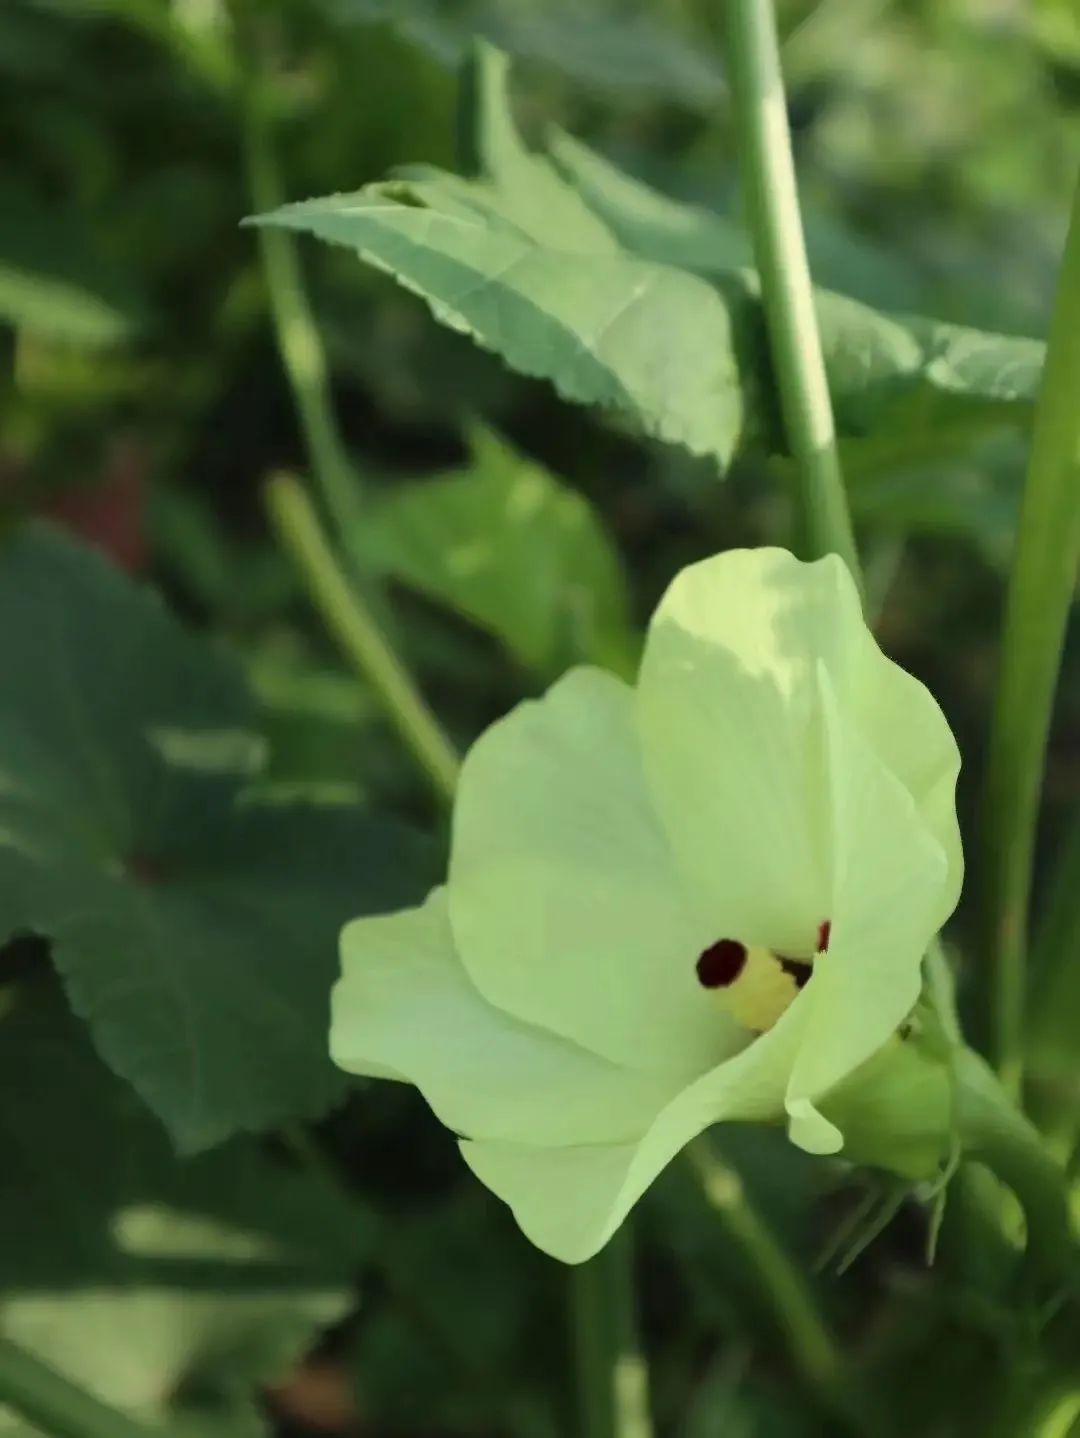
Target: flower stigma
<point>754,984</point>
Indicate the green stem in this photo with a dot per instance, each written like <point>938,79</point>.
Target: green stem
<point>812,1348</point>
<point>297,334</point>
<point>612,1378</point>
<point>768,172</point>
<point>1041,588</point>
<point>992,1129</point>
<point>363,643</point>
<point>51,1402</point>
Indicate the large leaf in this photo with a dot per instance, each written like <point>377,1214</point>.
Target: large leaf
<point>904,372</point>
<point>650,341</point>
<point>621,297</point>
<point>194,931</point>
<point>170,1289</point>
<point>511,548</point>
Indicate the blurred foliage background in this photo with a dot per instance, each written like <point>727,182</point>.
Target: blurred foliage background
<point>143,404</point>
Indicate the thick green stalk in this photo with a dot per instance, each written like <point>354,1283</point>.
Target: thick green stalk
<point>612,1378</point>
<point>1041,589</point>
<point>51,1402</point>
<point>357,633</point>
<point>772,200</point>
<point>992,1129</point>
<point>768,173</point>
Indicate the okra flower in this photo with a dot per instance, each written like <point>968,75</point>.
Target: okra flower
<point>703,898</point>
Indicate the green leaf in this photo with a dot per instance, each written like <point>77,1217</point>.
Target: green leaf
<point>620,297</point>
<point>526,187</point>
<point>508,546</point>
<point>172,1290</point>
<point>647,222</point>
<point>913,374</point>
<point>693,237</point>
<point>887,373</point>
<point>652,342</point>
<point>195,929</point>
<point>904,375</point>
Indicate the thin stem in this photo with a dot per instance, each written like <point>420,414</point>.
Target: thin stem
<point>297,334</point>
<point>810,1343</point>
<point>612,1377</point>
<point>51,1402</point>
<point>768,172</point>
<point>1041,588</point>
<point>352,625</point>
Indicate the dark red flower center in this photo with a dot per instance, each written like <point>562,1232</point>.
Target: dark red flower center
<point>721,963</point>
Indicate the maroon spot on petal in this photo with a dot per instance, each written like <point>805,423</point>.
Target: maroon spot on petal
<point>824,930</point>
<point>721,963</point>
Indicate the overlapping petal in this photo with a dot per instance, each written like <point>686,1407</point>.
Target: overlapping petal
<point>726,709</point>
<point>570,1200</point>
<point>404,1008</point>
<point>897,716</point>
<point>566,907</point>
<point>889,873</point>
<point>727,705</point>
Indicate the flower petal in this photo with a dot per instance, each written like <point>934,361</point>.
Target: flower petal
<point>404,1008</point>
<point>564,902</point>
<point>896,714</point>
<point>889,875</point>
<point>725,713</point>
<point>570,1200</point>
<point>727,710</point>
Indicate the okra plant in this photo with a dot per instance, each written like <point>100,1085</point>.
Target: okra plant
<point>663,928</point>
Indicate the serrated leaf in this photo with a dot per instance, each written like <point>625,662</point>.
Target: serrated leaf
<point>170,1289</point>
<point>666,329</point>
<point>909,372</point>
<point>887,373</point>
<point>654,343</point>
<point>508,546</point>
<point>195,933</point>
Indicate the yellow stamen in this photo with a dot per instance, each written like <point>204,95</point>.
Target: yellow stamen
<point>761,993</point>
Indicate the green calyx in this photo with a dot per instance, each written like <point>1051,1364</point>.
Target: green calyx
<point>924,1103</point>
